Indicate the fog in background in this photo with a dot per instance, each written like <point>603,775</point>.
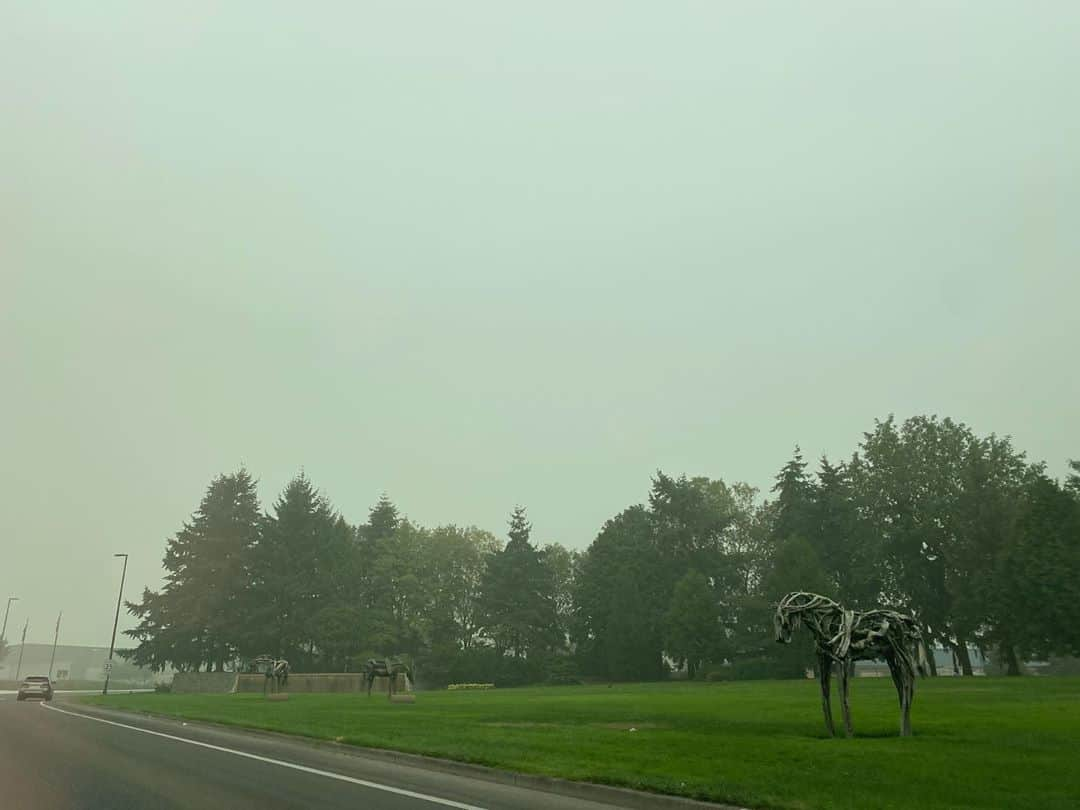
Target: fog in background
<point>480,254</point>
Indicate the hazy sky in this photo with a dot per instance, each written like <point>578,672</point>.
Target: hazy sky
<point>477,254</point>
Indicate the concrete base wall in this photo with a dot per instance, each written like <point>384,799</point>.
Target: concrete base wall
<point>204,682</point>
<point>299,682</point>
<point>322,682</point>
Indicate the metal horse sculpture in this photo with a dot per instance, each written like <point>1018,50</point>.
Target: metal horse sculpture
<point>844,636</point>
<point>275,670</point>
<point>388,668</point>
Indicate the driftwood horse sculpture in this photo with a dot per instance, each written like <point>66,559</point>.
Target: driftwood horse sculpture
<point>275,671</point>
<point>844,636</point>
<point>388,668</point>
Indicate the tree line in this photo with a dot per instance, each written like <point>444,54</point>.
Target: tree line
<point>979,544</point>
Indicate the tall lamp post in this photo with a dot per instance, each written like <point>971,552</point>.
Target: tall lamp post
<point>3,633</point>
<point>116,621</point>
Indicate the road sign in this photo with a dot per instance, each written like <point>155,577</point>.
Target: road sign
<point>108,667</point>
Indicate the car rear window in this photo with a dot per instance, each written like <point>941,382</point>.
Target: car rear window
<point>37,678</point>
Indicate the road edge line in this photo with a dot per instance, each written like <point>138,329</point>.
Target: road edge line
<point>624,797</point>
<point>411,794</point>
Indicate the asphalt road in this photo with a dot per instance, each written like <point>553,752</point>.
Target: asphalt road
<point>61,757</point>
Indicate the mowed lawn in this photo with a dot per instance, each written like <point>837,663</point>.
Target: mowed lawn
<point>979,742</point>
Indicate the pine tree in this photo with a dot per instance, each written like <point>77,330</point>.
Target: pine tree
<point>845,542</point>
<point>195,620</point>
<point>794,500</point>
<point>293,574</point>
<point>518,600</point>
<point>383,519</point>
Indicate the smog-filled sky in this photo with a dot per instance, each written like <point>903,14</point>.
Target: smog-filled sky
<point>481,254</point>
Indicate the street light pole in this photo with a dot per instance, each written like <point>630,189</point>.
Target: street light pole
<point>22,649</point>
<point>116,621</point>
<point>3,633</point>
<point>56,638</point>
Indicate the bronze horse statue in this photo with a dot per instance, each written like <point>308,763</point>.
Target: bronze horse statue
<point>388,668</point>
<point>845,636</point>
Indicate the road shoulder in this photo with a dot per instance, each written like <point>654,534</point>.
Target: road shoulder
<point>237,735</point>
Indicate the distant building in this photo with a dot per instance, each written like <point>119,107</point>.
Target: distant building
<point>72,664</point>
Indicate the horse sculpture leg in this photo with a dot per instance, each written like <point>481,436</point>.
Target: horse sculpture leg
<point>845,679</point>
<point>845,688</point>
<point>905,703</point>
<point>899,682</point>
<point>825,671</point>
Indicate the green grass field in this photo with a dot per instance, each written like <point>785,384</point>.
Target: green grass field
<point>985,742</point>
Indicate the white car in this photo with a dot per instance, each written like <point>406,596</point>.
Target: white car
<point>37,686</point>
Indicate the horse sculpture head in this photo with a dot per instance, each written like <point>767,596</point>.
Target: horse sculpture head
<point>790,611</point>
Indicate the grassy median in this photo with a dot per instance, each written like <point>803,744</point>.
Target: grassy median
<point>985,742</point>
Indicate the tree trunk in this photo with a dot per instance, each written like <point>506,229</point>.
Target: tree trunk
<point>1012,663</point>
<point>963,655</point>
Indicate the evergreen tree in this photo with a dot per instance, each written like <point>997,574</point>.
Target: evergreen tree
<point>383,519</point>
<point>195,620</point>
<point>518,596</point>
<point>293,566</point>
<point>794,501</point>
<point>846,544</point>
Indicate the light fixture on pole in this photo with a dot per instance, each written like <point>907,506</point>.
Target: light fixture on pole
<point>116,621</point>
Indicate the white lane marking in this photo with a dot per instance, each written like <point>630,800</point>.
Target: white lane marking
<point>303,768</point>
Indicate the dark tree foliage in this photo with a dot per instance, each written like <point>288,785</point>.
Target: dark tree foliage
<point>693,632</point>
<point>690,517</point>
<point>295,575</point>
<point>845,542</point>
<point>383,520</point>
<point>518,599</point>
<point>195,620</point>
<point>793,515</point>
<point>928,517</point>
<point>1033,595</point>
<point>913,476</point>
<point>619,601</point>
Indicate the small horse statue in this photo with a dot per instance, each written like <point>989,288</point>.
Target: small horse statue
<point>388,668</point>
<point>275,672</point>
<point>845,636</point>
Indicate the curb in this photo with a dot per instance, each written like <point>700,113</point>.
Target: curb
<point>592,791</point>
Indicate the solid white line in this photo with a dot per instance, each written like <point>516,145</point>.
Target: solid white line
<point>303,768</point>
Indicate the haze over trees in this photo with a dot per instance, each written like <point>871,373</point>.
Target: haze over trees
<point>978,543</point>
